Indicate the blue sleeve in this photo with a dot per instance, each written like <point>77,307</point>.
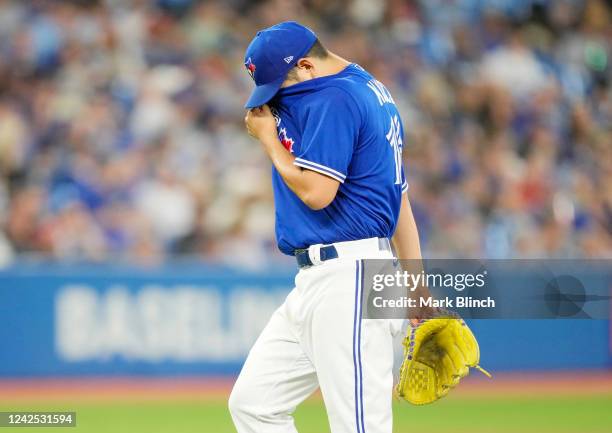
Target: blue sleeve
<point>330,132</point>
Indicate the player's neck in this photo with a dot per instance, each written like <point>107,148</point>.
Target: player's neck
<point>332,65</point>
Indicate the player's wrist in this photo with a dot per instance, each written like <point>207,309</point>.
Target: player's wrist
<point>272,145</point>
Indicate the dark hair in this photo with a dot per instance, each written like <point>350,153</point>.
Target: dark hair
<point>317,50</point>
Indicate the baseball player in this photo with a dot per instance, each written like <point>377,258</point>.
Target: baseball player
<point>335,138</point>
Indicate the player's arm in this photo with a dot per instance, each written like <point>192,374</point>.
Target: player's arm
<point>408,248</point>
<point>406,237</point>
<point>316,190</point>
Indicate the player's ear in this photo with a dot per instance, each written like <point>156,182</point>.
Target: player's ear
<point>305,64</point>
<point>306,69</point>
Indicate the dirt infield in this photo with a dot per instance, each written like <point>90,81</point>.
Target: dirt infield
<point>203,388</point>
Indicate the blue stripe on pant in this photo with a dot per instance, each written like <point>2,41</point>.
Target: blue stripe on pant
<point>359,418</point>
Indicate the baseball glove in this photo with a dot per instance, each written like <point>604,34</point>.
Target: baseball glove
<point>437,354</point>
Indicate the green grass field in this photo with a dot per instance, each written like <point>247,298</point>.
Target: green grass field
<point>471,414</point>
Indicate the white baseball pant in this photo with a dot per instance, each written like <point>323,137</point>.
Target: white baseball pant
<point>318,339</point>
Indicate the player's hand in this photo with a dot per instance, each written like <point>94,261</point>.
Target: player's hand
<point>260,123</point>
<point>421,313</point>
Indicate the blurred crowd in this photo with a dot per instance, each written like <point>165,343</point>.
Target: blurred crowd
<point>122,138</point>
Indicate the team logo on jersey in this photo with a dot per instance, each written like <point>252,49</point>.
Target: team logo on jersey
<point>287,142</point>
<point>282,132</point>
<point>250,66</point>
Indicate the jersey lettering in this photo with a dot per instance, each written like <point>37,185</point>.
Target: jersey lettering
<point>381,92</point>
<point>394,136</point>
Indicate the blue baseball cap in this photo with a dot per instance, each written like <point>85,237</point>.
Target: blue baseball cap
<point>271,55</point>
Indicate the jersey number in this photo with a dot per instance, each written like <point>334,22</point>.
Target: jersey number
<point>395,140</point>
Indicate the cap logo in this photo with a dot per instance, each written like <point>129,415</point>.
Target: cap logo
<point>250,66</point>
<point>288,59</point>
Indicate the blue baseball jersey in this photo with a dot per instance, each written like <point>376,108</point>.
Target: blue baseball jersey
<point>345,126</point>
